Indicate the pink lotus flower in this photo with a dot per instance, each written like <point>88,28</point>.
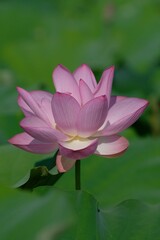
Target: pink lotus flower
<point>80,119</point>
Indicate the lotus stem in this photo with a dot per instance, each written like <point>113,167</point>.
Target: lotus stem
<point>78,175</point>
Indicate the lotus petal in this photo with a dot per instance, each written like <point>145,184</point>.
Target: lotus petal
<point>105,84</point>
<point>32,104</point>
<point>85,92</point>
<point>43,100</point>
<point>39,130</point>
<point>65,111</point>
<point>85,73</point>
<point>122,114</point>
<point>111,146</point>
<point>78,148</point>
<point>65,83</point>
<point>92,116</point>
<point>28,143</point>
<point>64,164</point>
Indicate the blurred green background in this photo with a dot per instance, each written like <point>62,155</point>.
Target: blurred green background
<point>35,37</point>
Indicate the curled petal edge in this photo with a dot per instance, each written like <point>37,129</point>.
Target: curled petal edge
<point>64,164</point>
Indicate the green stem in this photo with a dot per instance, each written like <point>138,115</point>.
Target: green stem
<point>78,175</point>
